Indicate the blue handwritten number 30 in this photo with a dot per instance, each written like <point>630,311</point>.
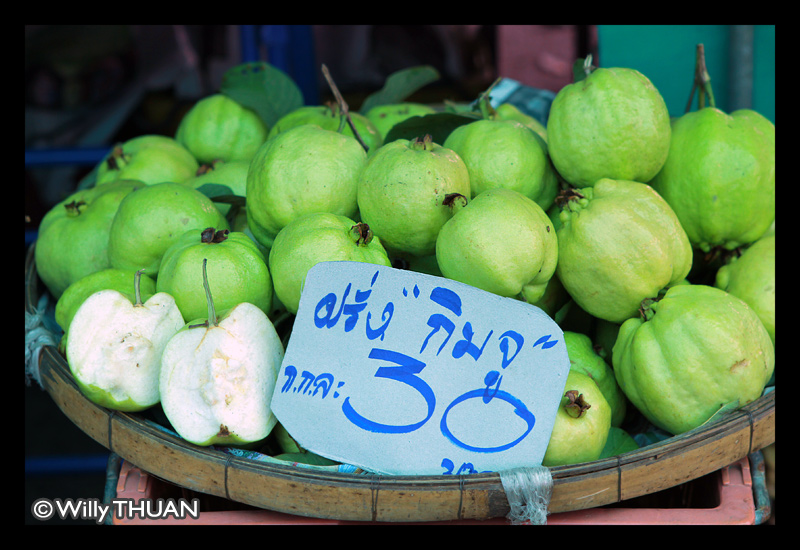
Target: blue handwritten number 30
<point>406,371</point>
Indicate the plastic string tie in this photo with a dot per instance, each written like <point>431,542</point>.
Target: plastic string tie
<point>37,335</point>
<point>528,491</point>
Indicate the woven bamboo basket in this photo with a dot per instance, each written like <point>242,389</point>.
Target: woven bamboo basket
<point>365,497</point>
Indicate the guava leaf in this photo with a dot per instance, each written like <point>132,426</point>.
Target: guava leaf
<point>619,441</point>
<point>399,85</point>
<point>306,458</point>
<point>218,192</point>
<point>438,125</point>
<point>265,89</point>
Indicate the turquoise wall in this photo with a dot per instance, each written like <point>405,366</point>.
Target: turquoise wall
<point>666,55</point>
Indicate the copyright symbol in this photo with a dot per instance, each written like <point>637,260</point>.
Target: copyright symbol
<point>42,509</point>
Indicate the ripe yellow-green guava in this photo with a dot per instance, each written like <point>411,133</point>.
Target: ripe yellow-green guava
<point>583,358</point>
<point>507,154</point>
<point>583,421</point>
<point>152,219</point>
<point>149,159</point>
<point>219,128</point>
<point>385,117</point>
<point>298,171</point>
<point>236,270</point>
<point>73,235</point>
<point>689,354</point>
<point>315,238</point>
<point>619,243</point>
<point>403,189</point>
<point>612,124</point>
<point>719,177</point>
<point>501,242</point>
<point>329,117</point>
<point>751,277</point>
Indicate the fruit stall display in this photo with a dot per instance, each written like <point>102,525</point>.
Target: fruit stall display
<point>175,272</point>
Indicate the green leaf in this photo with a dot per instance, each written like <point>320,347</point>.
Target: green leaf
<point>265,89</point>
<point>306,458</point>
<point>399,85</point>
<point>218,192</point>
<point>618,442</point>
<point>438,125</point>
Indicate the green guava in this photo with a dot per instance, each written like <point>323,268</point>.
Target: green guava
<point>73,235</point>
<point>385,117</point>
<point>402,192</point>
<point>719,177</point>
<point>583,421</point>
<point>149,159</point>
<point>612,124</point>
<point>501,242</point>
<point>618,244</point>
<point>507,111</point>
<point>120,280</point>
<point>328,116</point>
<point>315,238</point>
<point>301,170</point>
<point>237,272</point>
<point>751,277</point>
<point>152,219</point>
<point>507,154</point>
<point>219,128</point>
<point>583,358</point>
<point>692,352</point>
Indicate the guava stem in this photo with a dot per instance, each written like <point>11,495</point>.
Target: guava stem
<point>212,314</point>
<point>701,82</point>
<point>456,201</point>
<point>343,107</point>
<point>485,101</point>
<point>137,294</point>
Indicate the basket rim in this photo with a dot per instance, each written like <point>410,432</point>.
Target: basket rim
<point>753,422</point>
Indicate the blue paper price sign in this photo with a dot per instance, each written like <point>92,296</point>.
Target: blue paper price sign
<point>404,373</point>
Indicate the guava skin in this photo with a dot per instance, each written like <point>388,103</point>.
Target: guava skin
<point>236,269</point>
<point>149,159</point>
<point>84,217</point>
<point>580,437</point>
<point>312,239</point>
<point>507,111</point>
<point>507,154</point>
<point>719,177</point>
<point>583,358</point>
<point>219,128</point>
<point>327,116</point>
<point>152,219</point>
<point>617,245</point>
<point>501,242</point>
<point>385,117</point>
<point>751,277</point>
<point>612,124</point>
<point>302,170</point>
<point>697,349</point>
<point>402,191</point>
